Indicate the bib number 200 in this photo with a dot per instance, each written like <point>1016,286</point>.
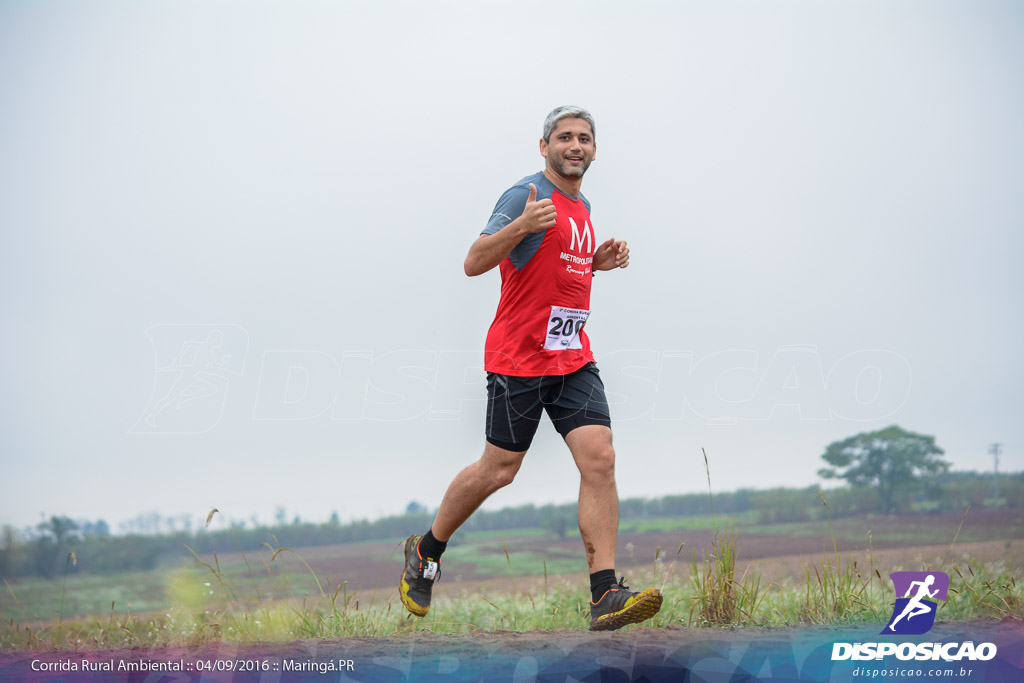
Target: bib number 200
<point>563,328</point>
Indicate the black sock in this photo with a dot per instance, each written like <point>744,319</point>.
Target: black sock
<point>600,582</point>
<point>431,547</point>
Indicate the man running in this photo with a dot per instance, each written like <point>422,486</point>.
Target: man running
<point>915,606</point>
<point>537,357</point>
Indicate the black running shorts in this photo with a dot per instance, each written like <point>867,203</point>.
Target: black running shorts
<point>514,405</point>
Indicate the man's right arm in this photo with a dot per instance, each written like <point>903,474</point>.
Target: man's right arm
<point>491,249</point>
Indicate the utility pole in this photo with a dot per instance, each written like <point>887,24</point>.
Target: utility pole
<point>994,450</point>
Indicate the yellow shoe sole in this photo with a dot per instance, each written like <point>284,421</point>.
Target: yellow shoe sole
<point>640,608</point>
<point>403,593</point>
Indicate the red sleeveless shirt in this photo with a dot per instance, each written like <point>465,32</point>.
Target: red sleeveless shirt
<point>538,328</point>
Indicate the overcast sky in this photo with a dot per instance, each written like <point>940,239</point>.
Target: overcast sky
<point>233,234</point>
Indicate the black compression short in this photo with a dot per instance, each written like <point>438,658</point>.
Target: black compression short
<point>514,405</point>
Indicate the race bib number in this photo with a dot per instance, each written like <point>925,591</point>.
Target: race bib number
<point>564,327</point>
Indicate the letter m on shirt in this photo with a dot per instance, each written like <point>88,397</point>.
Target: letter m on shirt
<point>578,238</point>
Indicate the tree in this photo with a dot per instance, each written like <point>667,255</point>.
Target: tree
<point>61,529</point>
<point>890,460</point>
<point>97,528</point>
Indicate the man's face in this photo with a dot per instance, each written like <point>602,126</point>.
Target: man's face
<point>570,149</point>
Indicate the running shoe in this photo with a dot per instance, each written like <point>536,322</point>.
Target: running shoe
<point>418,578</point>
<point>620,606</point>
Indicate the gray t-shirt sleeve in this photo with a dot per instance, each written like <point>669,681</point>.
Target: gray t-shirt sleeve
<point>508,208</point>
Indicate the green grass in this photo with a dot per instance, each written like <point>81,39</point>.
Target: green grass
<point>273,595</point>
<point>525,563</point>
<point>135,592</point>
<point>531,534</point>
<point>39,599</point>
<point>979,590</point>
<point>671,524</point>
<point>915,530</point>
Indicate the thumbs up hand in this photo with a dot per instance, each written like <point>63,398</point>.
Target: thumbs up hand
<point>538,216</point>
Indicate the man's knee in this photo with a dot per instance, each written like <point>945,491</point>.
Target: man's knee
<point>600,462</point>
<point>500,465</point>
<point>597,461</point>
<point>592,448</point>
<point>504,476</point>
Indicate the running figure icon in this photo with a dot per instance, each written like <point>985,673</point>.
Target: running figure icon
<point>916,606</point>
<point>195,365</point>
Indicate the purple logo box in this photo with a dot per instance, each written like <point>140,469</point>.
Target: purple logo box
<point>917,596</point>
<point>903,580</point>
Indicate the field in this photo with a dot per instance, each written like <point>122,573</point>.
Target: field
<point>783,575</point>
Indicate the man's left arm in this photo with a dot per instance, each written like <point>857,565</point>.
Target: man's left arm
<point>611,254</point>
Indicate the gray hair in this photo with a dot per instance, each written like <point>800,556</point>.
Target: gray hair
<point>559,113</point>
